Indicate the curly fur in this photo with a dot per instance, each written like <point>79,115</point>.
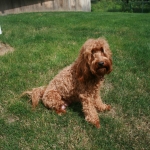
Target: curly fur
<point>80,81</point>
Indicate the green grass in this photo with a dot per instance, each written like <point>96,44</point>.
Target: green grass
<point>44,43</point>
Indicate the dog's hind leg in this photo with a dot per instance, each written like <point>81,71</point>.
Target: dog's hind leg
<point>52,99</point>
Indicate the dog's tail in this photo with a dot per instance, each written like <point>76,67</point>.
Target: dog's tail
<point>35,95</point>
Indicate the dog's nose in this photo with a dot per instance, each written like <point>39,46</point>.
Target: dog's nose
<point>101,63</point>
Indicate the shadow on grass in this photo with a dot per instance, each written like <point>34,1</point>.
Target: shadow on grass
<point>77,108</point>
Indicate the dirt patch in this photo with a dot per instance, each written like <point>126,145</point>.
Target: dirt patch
<point>1,110</point>
<point>12,118</point>
<point>5,48</point>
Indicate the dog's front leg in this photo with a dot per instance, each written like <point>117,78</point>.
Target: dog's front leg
<point>89,110</point>
<point>100,106</point>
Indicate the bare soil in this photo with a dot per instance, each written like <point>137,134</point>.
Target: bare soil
<point>5,48</point>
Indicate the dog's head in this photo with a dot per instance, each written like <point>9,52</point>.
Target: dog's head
<point>94,59</point>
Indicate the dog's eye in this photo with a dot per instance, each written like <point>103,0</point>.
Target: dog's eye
<point>102,50</point>
<point>93,51</point>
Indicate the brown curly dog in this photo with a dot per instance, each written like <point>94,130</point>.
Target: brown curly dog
<point>80,81</point>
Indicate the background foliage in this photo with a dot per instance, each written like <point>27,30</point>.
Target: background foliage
<point>142,6</point>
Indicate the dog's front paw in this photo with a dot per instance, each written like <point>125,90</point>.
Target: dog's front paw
<point>97,124</point>
<point>107,108</point>
<point>103,107</point>
<point>93,121</point>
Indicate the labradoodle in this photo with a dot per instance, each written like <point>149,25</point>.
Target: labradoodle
<point>81,81</point>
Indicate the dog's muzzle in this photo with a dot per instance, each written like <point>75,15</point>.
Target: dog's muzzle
<point>103,67</point>
<point>101,63</point>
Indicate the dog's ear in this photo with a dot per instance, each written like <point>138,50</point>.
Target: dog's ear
<point>107,53</point>
<point>82,67</point>
<point>110,67</point>
<point>109,56</point>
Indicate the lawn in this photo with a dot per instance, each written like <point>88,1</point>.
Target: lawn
<point>43,44</point>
